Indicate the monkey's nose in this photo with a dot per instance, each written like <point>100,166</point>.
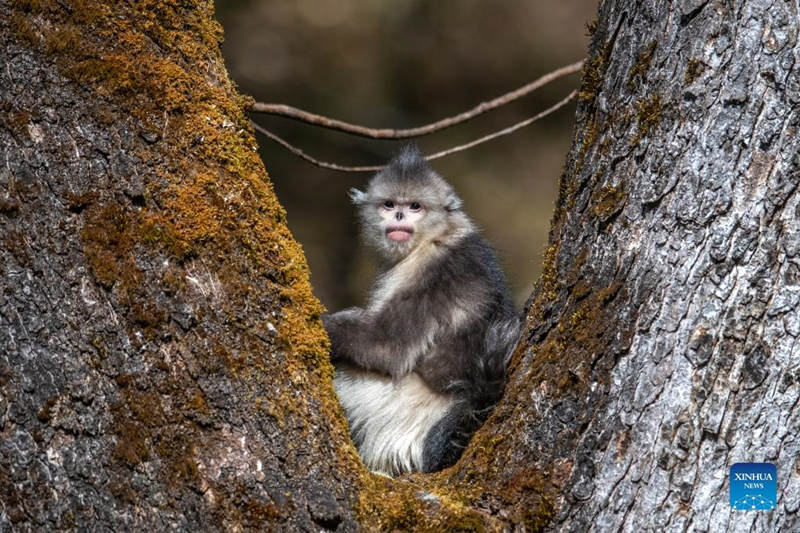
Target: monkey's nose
<point>399,215</point>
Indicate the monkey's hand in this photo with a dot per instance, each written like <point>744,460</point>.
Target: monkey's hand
<point>342,327</point>
<point>356,338</point>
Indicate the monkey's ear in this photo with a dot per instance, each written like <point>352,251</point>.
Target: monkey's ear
<point>452,202</point>
<point>357,197</point>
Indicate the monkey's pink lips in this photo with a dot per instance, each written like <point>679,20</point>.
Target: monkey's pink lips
<point>399,233</point>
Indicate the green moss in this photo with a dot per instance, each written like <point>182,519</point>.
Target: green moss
<point>564,358</point>
<point>694,69</point>
<point>641,66</point>
<point>33,6</point>
<point>67,521</point>
<point>605,146</point>
<point>16,120</point>
<point>549,280</point>
<point>143,432</point>
<point>606,202</point>
<point>23,29</point>
<point>197,402</point>
<point>108,241</point>
<point>589,331</point>
<point>146,314</point>
<point>566,191</point>
<point>99,345</point>
<point>131,444</point>
<point>593,131</point>
<point>576,267</point>
<point>197,203</point>
<point>46,412</point>
<point>15,242</point>
<point>257,513</point>
<point>78,202</point>
<point>62,39</point>
<point>523,492</point>
<point>395,505</point>
<point>155,231</point>
<point>648,114</point>
<point>87,11</point>
<point>178,455</point>
<point>594,71</point>
<point>174,281</point>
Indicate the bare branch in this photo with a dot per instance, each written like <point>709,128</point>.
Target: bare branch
<point>511,129</point>
<point>372,168</point>
<point>390,133</point>
<point>301,154</point>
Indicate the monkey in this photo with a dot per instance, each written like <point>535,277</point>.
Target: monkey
<point>418,368</point>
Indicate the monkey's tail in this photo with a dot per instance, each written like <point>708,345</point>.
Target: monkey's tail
<point>490,374</point>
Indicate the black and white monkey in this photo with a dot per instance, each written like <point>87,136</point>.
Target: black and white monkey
<point>419,367</point>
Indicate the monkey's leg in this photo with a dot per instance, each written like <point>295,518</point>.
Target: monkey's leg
<point>448,437</point>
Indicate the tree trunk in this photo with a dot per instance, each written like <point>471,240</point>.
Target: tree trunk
<point>664,334</point>
<point>162,363</point>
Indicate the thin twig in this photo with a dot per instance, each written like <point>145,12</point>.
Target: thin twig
<point>391,133</point>
<point>301,154</point>
<point>511,129</point>
<point>372,168</point>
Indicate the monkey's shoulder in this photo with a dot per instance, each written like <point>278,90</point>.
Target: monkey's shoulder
<point>470,259</point>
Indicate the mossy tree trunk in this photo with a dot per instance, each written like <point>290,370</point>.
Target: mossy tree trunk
<point>162,364</point>
<point>663,339</point>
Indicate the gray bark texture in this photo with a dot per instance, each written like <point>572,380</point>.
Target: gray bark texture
<point>680,210</point>
<point>162,362</point>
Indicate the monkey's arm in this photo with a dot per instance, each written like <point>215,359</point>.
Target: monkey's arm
<point>389,342</point>
<point>393,339</point>
<point>342,326</point>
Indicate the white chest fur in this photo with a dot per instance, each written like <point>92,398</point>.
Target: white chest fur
<point>389,419</point>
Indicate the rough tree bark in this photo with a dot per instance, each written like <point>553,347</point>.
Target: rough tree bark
<point>673,307</point>
<point>162,363</point>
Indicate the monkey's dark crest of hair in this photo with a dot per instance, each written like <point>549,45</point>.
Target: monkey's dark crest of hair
<point>421,365</point>
<point>409,163</point>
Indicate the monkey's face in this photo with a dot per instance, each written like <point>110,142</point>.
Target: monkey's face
<point>394,222</point>
<point>405,205</point>
<point>400,219</point>
<point>394,225</point>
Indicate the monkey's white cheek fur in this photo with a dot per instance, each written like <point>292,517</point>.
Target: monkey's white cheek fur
<point>389,420</point>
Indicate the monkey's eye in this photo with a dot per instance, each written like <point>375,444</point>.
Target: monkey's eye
<point>415,206</point>
<point>388,204</point>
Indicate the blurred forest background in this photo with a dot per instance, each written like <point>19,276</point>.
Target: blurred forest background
<point>400,64</point>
